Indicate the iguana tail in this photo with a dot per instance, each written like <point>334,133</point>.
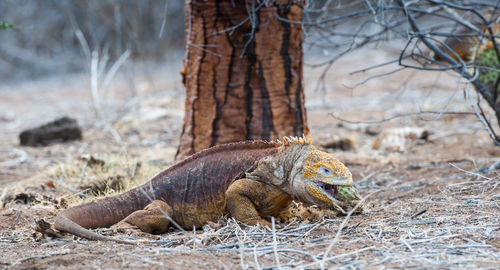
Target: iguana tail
<point>100,213</point>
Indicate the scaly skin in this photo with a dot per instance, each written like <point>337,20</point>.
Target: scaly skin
<point>248,181</point>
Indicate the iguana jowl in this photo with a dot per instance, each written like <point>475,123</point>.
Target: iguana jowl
<point>247,180</point>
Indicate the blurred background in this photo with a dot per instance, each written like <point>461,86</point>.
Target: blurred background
<point>53,36</point>
<point>114,66</point>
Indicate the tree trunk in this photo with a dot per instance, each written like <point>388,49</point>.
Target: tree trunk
<point>242,72</point>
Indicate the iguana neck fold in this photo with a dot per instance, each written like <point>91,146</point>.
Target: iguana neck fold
<point>280,169</point>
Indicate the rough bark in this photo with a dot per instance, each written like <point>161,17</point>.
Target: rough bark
<point>242,73</point>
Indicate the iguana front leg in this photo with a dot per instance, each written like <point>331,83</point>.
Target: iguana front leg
<point>153,219</point>
<point>249,201</point>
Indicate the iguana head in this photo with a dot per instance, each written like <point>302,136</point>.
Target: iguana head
<point>323,180</point>
<point>307,174</point>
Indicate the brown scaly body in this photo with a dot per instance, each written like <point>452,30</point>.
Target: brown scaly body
<point>247,180</point>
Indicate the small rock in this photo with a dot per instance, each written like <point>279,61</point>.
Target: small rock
<point>398,139</point>
<point>44,228</point>
<point>373,131</point>
<point>342,143</point>
<point>60,130</point>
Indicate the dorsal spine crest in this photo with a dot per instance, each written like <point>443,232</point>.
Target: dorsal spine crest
<point>294,140</point>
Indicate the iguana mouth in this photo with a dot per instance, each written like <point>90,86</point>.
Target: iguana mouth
<point>329,189</point>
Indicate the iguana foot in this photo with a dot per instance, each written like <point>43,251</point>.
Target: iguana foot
<point>153,219</point>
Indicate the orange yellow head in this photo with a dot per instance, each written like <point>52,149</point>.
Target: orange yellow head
<point>319,165</point>
<point>318,176</point>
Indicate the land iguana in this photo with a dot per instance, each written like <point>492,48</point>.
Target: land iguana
<point>246,180</point>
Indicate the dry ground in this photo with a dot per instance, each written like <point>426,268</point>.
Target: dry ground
<point>430,206</point>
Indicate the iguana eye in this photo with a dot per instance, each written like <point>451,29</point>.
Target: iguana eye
<point>325,171</point>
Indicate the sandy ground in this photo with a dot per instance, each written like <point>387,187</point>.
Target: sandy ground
<point>432,202</point>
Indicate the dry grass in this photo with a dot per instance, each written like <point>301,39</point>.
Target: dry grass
<point>83,179</point>
<point>90,177</point>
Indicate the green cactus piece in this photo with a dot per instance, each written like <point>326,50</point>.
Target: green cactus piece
<point>486,62</point>
<point>348,193</point>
